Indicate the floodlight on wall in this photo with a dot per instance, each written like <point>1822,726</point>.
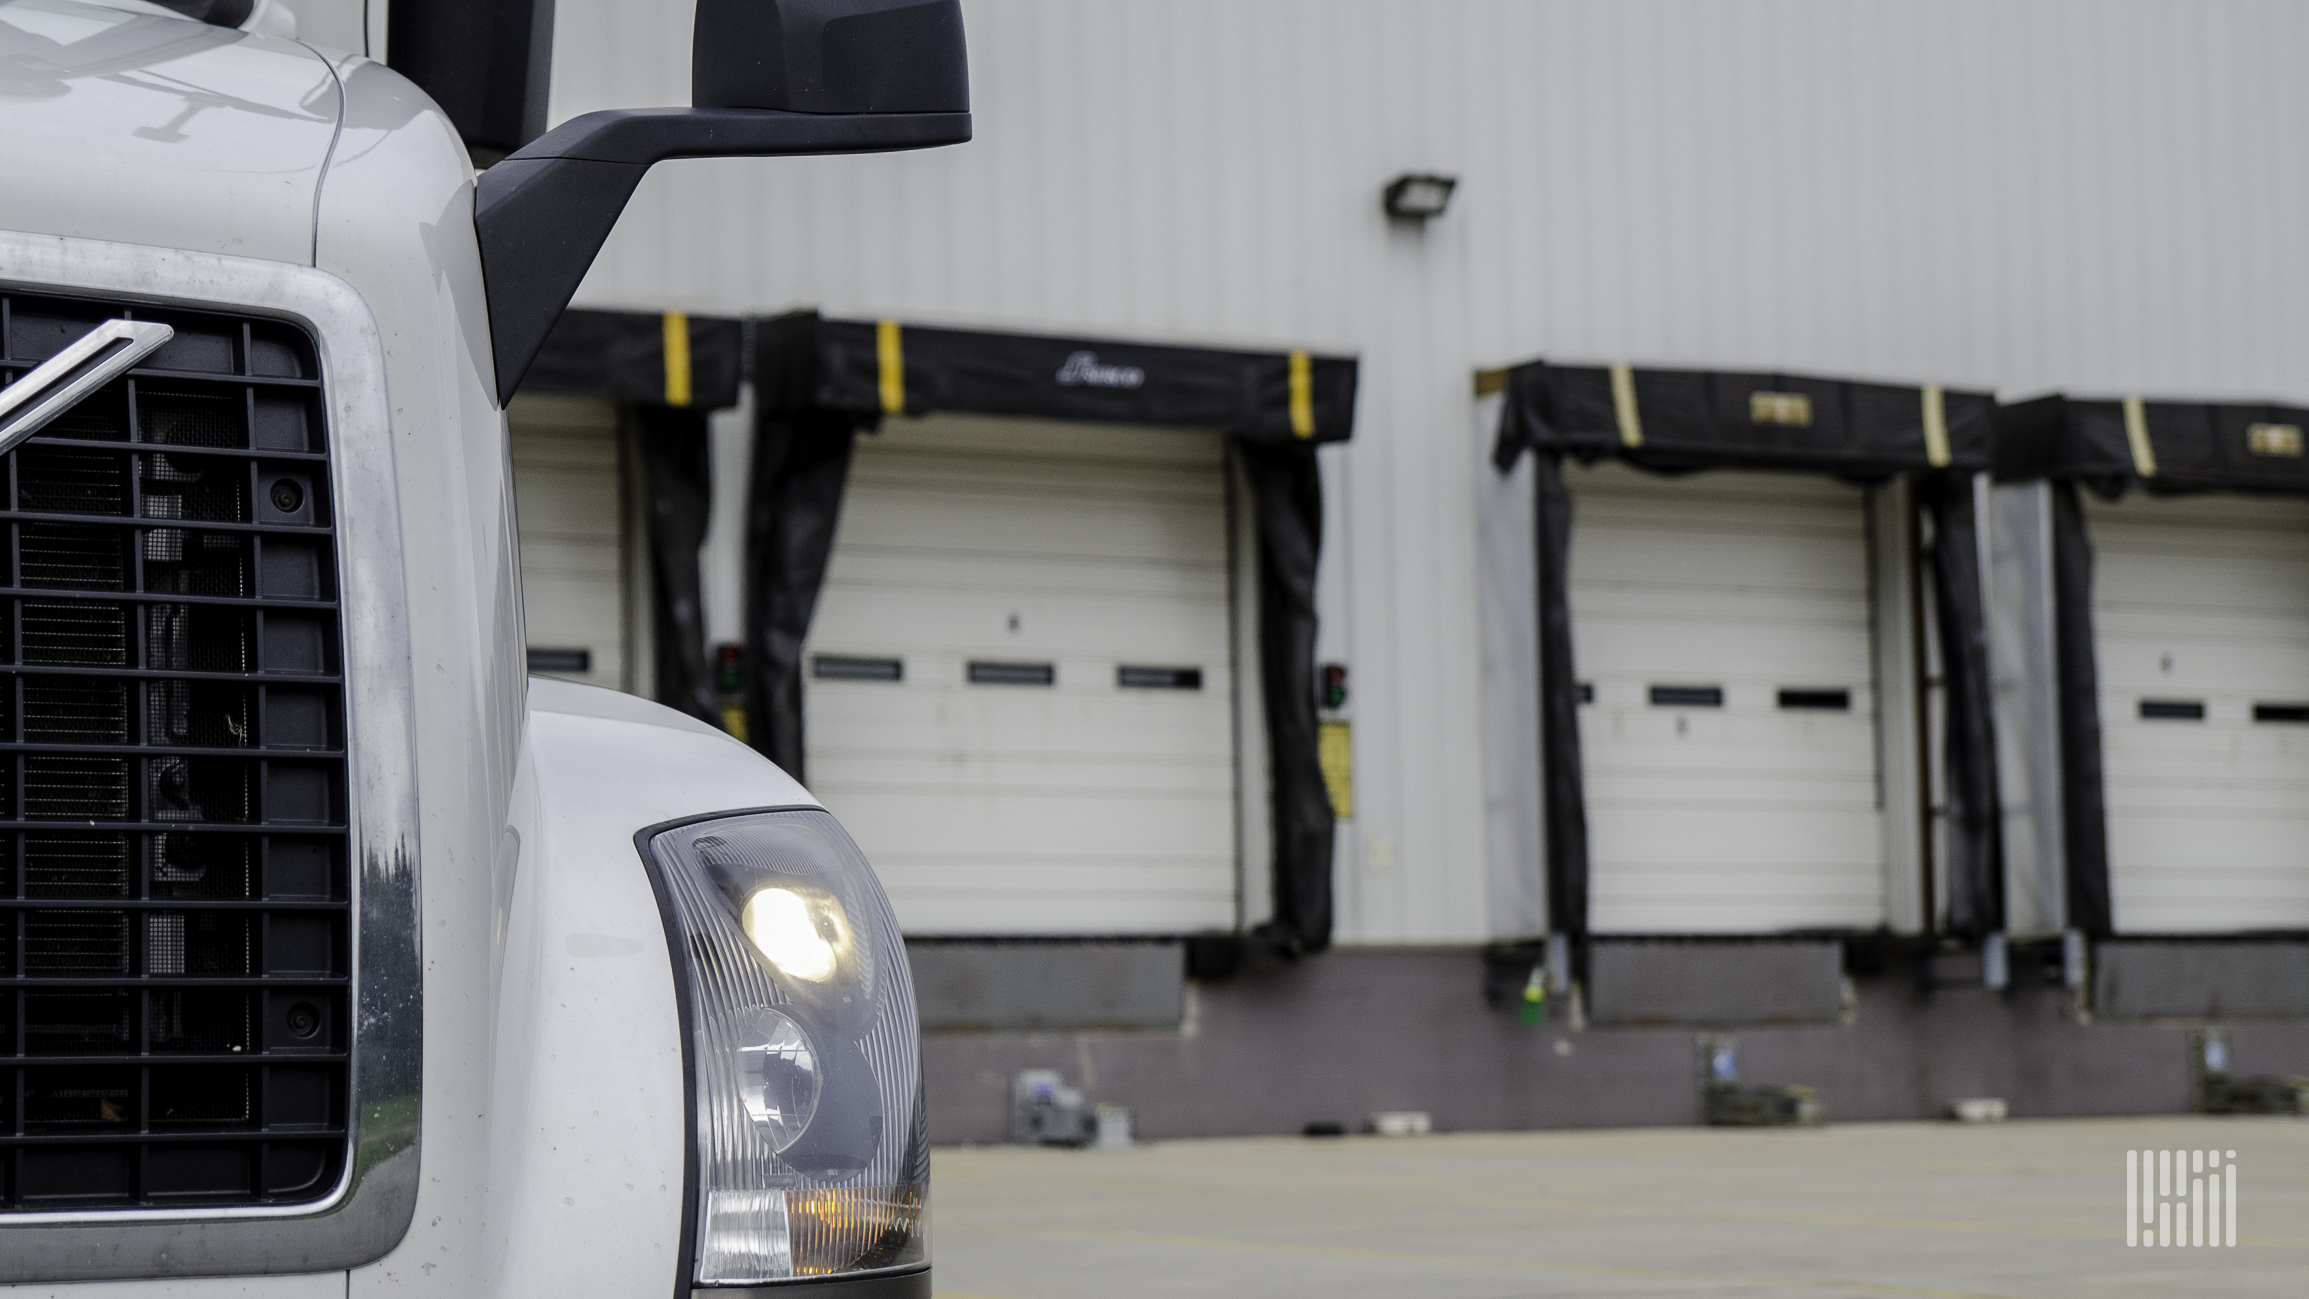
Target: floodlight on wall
<point>1416,198</point>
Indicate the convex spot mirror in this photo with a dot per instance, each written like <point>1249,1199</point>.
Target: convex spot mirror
<point>830,56</point>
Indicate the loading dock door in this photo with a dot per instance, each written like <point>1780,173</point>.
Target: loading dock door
<point>2201,611</point>
<point>1018,693</point>
<point>566,502</point>
<point>1722,621</point>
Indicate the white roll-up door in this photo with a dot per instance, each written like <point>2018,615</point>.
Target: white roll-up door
<point>568,508</point>
<point>1722,622</point>
<point>1019,695</point>
<point>2201,611</point>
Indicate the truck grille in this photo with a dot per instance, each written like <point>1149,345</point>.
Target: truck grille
<point>174,958</point>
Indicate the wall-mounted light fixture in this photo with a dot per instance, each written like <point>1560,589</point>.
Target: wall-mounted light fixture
<point>1416,198</point>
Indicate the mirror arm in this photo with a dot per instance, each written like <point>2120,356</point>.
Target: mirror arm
<point>542,214</point>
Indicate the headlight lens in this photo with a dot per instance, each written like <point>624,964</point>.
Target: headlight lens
<point>803,936</point>
<point>777,1078</point>
<point>813,1155</point>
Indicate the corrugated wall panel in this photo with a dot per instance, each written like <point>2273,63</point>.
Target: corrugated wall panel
<point>2096,194</point>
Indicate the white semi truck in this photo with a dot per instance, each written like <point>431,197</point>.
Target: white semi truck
<point>336,956</point>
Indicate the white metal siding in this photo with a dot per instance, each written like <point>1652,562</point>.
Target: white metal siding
<point>2018,192</point>
<point>2021,194</point>
<point>2204,599</point>
<point>1079,807</point>
<point>1748,818</point>
<point>566,498</point>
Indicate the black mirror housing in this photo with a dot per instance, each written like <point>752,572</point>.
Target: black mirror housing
<point>830,56</point>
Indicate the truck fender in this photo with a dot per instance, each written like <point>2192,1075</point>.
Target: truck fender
<point>589,1137</point>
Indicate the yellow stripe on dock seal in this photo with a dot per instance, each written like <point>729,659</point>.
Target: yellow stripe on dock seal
<point>1935,427</point>
<point>1302,395</point>
<point>892,354</point>
<point>1623,405</point>
<point>677,371</point>
<point>2137,433</point>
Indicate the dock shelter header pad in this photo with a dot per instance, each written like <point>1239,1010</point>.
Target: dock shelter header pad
<point>1675,420</point>
<point>2162,446</point>
<point>874,367</point>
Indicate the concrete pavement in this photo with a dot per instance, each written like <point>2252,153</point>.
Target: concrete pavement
<point>2021,1210</point>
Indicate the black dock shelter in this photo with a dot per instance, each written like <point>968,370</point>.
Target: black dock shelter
<point>818,383</point>
<point>2111,447</point>
<point>666,371</point>
<point>1680,421</point>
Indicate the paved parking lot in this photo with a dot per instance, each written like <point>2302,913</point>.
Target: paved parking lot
<point>2030,1210</point>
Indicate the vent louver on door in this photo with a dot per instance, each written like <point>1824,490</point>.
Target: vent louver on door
<point>174,951</point>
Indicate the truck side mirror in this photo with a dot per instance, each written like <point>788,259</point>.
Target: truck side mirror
<point>770,78</point>
<point>830,56</point>
<point>486,64</point>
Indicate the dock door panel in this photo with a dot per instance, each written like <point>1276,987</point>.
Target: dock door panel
<point>567,502</point>
<point>1018,692</point>
<point>2201,611</point>
<point>1720,621</point>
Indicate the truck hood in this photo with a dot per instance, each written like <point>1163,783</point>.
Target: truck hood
<point>123,121</point>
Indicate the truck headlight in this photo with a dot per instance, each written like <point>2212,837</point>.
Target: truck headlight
<point>811,1139</point>
<point>803,936</point>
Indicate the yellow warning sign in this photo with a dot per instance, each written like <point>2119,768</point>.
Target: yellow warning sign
<point>1335,750</point>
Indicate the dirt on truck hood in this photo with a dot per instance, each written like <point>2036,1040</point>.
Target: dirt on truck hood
<point>124,121</point>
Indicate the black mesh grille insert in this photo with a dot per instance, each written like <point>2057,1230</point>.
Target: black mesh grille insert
<point>60,633</point>
<point>174,941</point>
<point>77,866</point>
<point>192,417</point>
<point>60,480</point>
<point>71,556</point>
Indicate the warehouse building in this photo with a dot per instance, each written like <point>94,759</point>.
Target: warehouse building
<point>1533,532</point>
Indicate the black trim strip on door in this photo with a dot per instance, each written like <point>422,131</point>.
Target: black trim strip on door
<point>853,667</point>
<point>560,660</point>
<point>1012,674</point>
<point>1130,676</point>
